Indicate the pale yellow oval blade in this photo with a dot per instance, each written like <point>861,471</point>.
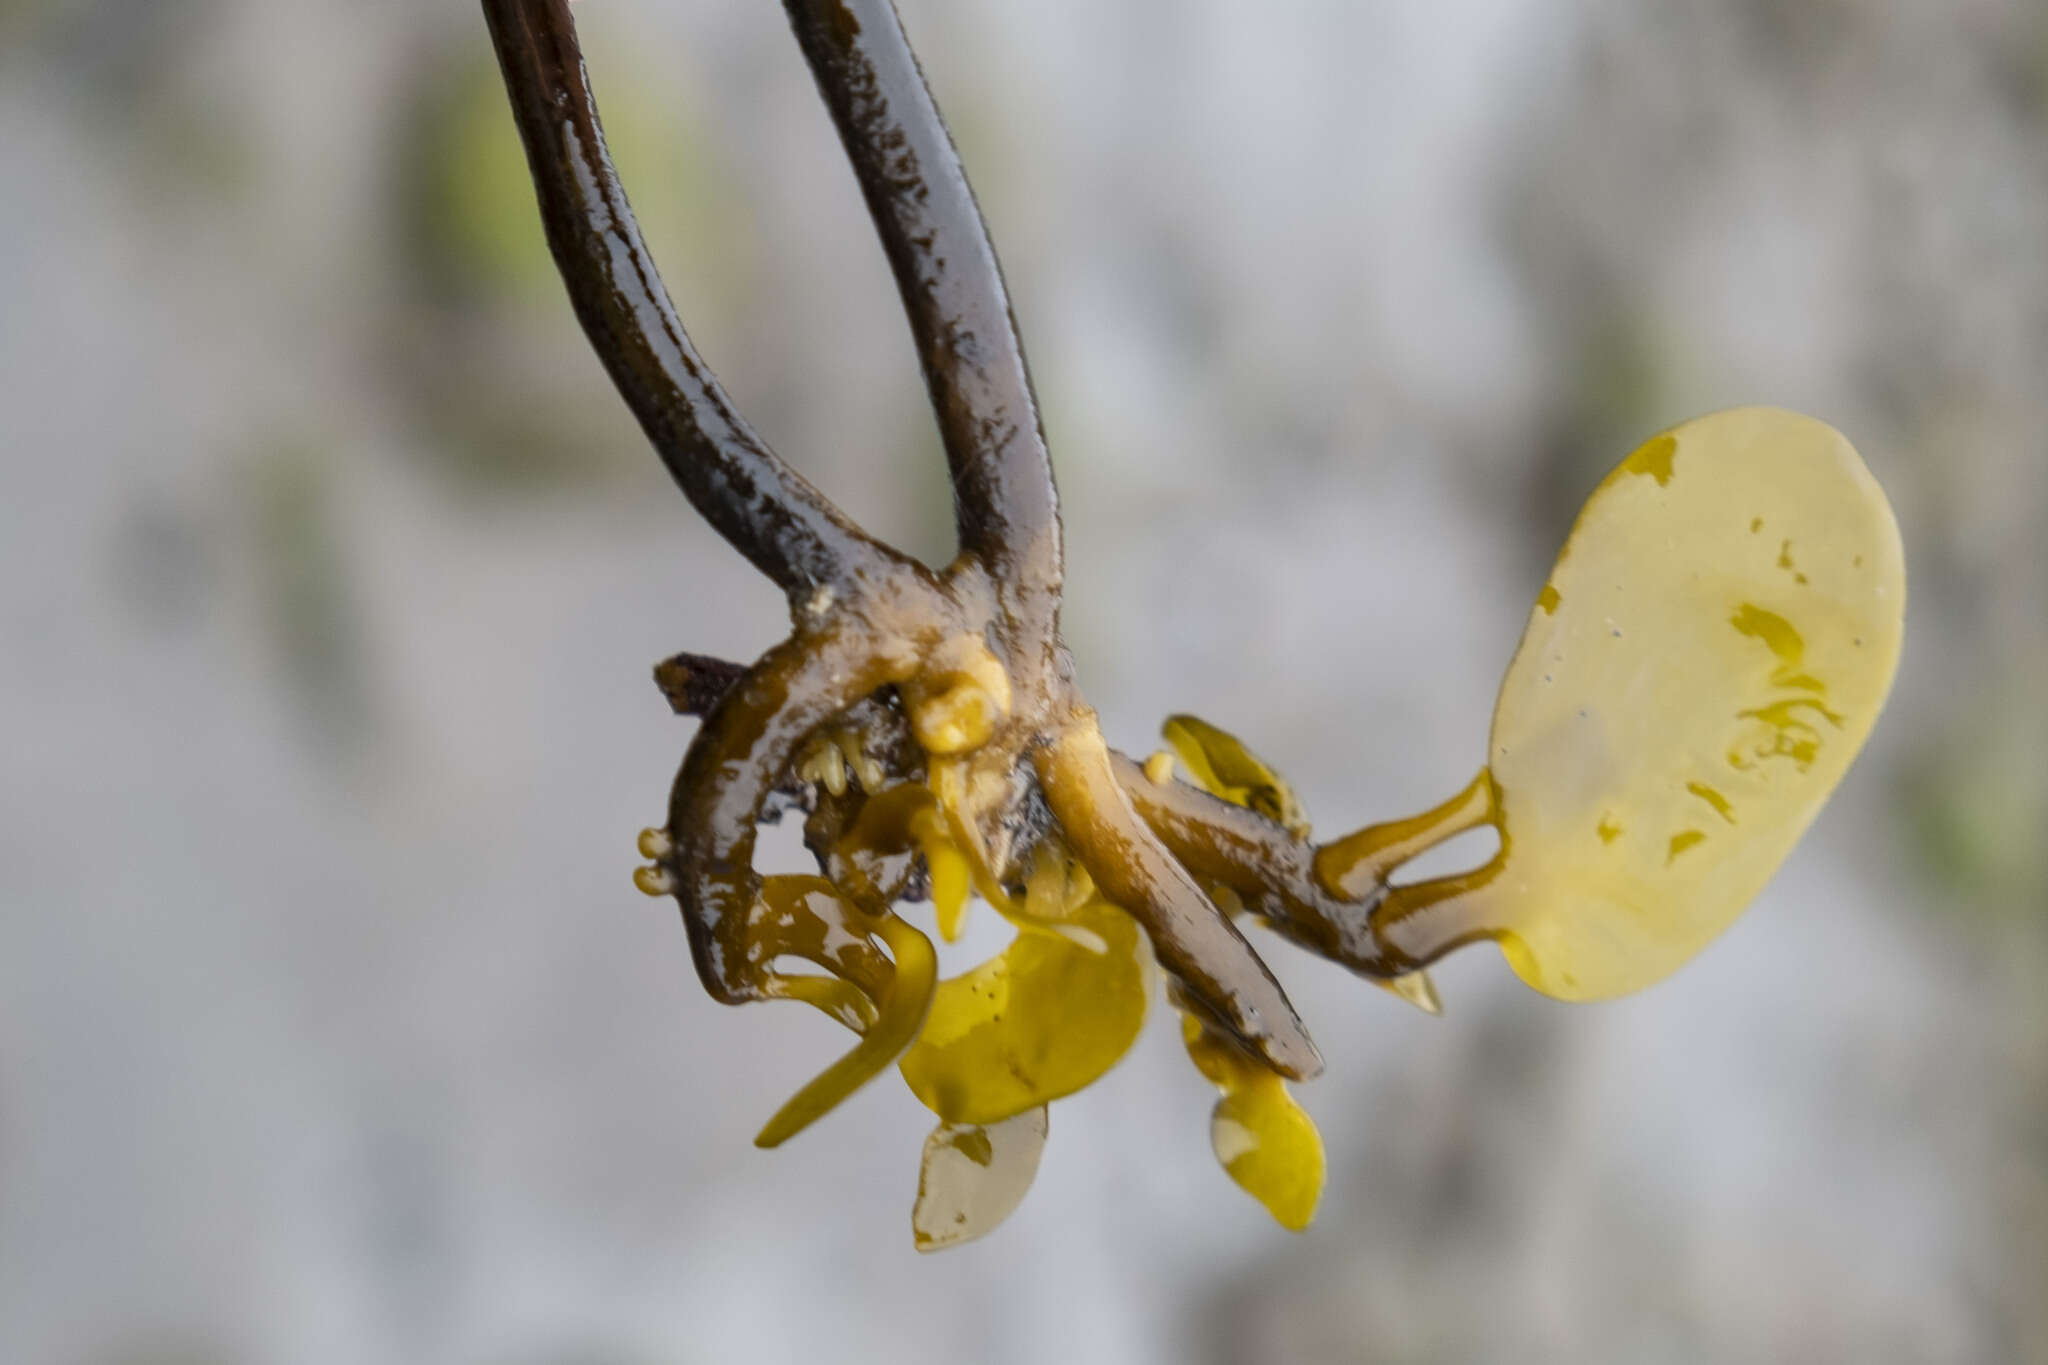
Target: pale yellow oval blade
<point>1712,648</point>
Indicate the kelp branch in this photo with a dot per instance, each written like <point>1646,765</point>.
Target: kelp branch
<point>765,509</point>
<point>938,246</point>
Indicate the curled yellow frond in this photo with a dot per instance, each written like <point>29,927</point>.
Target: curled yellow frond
<point>899,1011</point>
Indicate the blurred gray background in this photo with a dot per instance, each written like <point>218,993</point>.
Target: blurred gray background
<point>331,1026</point>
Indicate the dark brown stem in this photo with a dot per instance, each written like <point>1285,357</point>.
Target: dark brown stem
<point>866,616</point>
<point>784,526</point>
<point>693,683</point>
<point>1005,505</point>
<point>733,764</point>
<point>1271,870</point>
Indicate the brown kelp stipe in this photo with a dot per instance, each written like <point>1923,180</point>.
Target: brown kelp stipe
<point>866,618</point>
<point>927,727</point>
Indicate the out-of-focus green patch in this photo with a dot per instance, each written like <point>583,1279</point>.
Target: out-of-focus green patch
<point>1979,801</point>
<point>502,386</point>
<point>2037,63</point>
<point>471,227</point>
<point>18,19</point>
<point>194,144</point>
<point>2019,67</point>
<point>309,619</point>
<point>486,436</point>
<point>111,54</point>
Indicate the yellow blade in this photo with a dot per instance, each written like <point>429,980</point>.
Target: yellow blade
<point>1040,1020</point>
<point>1264,1140</point>
<point>1712,648</point>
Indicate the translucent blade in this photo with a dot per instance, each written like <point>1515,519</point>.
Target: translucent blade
<point>973,1177</point>
<point>1708,656</point>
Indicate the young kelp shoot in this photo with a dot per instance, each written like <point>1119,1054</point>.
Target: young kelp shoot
<point>1697,674</point>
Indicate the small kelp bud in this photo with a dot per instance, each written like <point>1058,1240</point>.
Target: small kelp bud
<point>964,791</point>
<point>958,698</point>
<point>952,875</point>
<point>1224,767</point>
<point>823,763</point>
<point>655,881</point>
<point>1264,1140</point>
<point>973,1177</point>
<point>862,765</point>
<point>655,845</point>
<point>1417,988</point>
<point>1055,891</point>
